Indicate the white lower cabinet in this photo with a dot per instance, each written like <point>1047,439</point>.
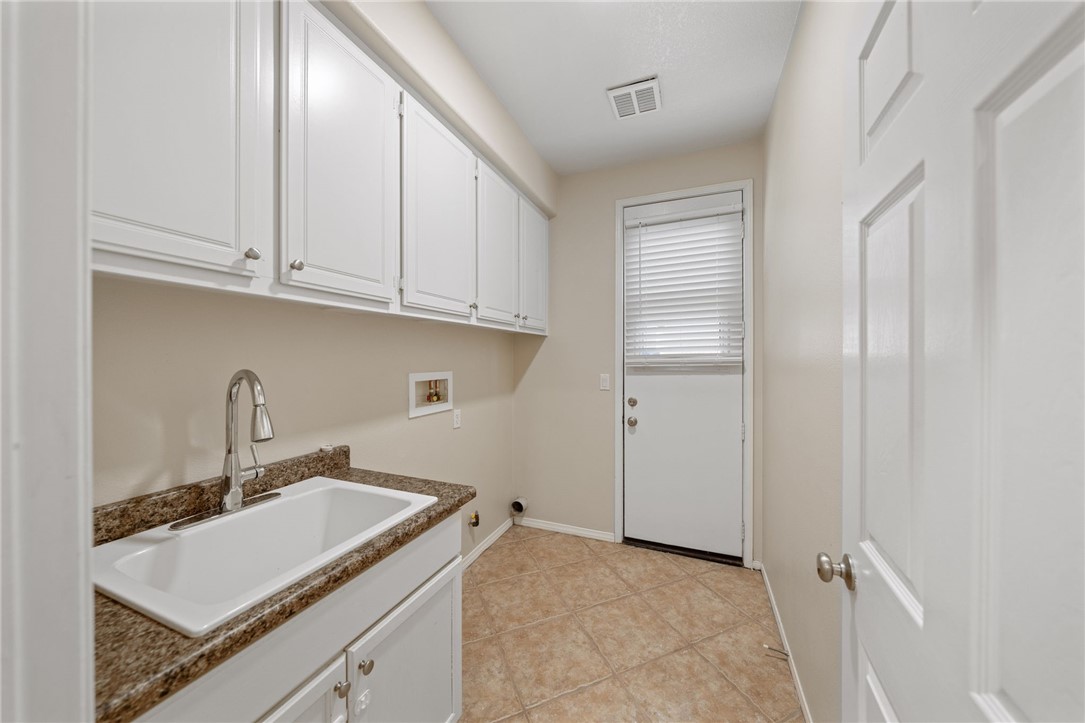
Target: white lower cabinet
<point>383,648</point>
<point>403,669</point>
<point>319,699</point>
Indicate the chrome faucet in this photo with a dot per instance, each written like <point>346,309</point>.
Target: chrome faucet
<point>233,474</point>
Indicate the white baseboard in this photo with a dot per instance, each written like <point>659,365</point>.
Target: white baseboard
<point>787,647</point>
<point>567,529</point>
<point>490,539</point>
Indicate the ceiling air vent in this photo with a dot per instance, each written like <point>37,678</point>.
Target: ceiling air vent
<point>634,98</point>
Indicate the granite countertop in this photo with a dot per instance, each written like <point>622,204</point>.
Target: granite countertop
<point>139,662</point>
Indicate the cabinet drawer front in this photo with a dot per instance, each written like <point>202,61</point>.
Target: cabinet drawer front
<point>412,657</point>
<point>181,154</point>
<point>341,161</point>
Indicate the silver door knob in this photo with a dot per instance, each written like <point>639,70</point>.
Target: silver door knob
<point>845,569</point>
<point>342,689</point>
<point>632,401</point>
<point>366,666</point>
<point>253,253</point>
<point>632,421</point>
<point>297,264</point>
<point>523,318</point>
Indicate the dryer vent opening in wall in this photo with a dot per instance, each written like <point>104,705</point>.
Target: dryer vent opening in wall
<point>635,98</point>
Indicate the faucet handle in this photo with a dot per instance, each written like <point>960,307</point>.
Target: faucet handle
<point>258,469</point>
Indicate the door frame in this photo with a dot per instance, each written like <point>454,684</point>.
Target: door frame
<point>46,594</point>
<point>746,186</point>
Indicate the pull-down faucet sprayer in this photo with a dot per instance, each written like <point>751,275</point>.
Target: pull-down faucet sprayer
<point>233,474</point>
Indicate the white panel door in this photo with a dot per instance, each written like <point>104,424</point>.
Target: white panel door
<point>534,269</point>
<point>964,377</point>
<point>407,667</point>
<point>683,460</point>
<point>340,191</point>
<point>498,248</point>
<point>439,214</point>
<point>181,132</point>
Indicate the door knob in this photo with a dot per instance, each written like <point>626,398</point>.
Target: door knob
<point>366,666</point>
<point>632,401</point>
<point>827,569</point>
<point>342,689</point>
<point>632,421</point>
<point>297,264</point>
<point>253,253</point>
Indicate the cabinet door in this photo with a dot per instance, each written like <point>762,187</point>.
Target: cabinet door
<point>498,248</point>
<point>407,667</point>
<point>439,215</point>
<point>340,151</point>
<point>534,273</point>
<point>181,142</point>
<point>317,700</point>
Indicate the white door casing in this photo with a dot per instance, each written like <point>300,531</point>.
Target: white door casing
<point>963,363</point>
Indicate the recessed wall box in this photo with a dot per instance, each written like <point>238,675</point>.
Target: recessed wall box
<point>428,393</point>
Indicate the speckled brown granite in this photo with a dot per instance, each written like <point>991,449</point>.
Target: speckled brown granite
<point>127,517</point>
<point>139,662</point>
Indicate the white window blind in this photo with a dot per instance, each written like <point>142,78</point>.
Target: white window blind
<point>683,285</point>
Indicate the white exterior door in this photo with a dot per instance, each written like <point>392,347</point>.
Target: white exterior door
<point>964,309</point>
<point>683,414</point>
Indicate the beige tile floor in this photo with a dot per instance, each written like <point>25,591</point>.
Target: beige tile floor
<point>560,628</point>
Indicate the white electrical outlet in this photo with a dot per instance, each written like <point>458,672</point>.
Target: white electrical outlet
<point>455,419</point>
<point>604,382</point>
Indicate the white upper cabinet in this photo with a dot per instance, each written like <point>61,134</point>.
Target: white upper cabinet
<point>534,273</point>
<point>181,145</point>
<point>340,155</point>
<point>439,215</point>
<point>498,248</point>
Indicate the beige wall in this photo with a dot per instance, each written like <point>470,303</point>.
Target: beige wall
<point>411,41</point>
<point>802,346</point>
<point>163,356</point>
<point>565,425</point>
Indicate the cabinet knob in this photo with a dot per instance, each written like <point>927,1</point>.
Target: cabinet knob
<point>366,666</point>
<point>253,253</point>
<point>473,306</point>
<point>342,689</point>
<point>297,264</point>
<point>523,318</point>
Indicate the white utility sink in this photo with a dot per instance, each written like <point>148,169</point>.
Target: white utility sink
<point>198,578</point>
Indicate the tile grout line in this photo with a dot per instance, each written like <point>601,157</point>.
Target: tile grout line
<point>733,683</point>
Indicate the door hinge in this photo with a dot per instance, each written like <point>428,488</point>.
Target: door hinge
<point>743,431</point>
<point>398,105</point>
<point>401,283</point>
<point>743,531</point>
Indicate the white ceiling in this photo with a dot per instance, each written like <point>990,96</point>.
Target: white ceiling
<point>550,63</point>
